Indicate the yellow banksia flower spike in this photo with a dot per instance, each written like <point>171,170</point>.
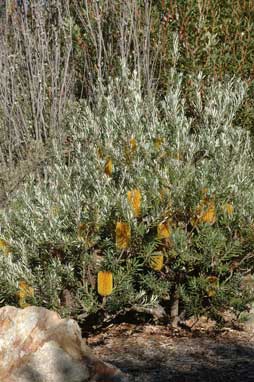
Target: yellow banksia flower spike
<point>228,208</point>
<point>133,144</point>
<point>104,283</point>
<point>212,288</point>
<point>163,231</point>
<point>209,215</point>
<point>123,235</point>
<point>157,261</point>
<point>108,168</point>
<point>5,247</point>
<point>134,198</point>
<point>205,211</point>
<point>24,291</point>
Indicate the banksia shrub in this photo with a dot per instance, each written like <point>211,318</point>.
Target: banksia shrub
<point>162,201</point>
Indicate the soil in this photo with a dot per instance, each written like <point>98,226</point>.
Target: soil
<point>153,353</point>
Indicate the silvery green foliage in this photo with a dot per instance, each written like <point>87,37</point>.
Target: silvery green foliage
<point>198,151</point>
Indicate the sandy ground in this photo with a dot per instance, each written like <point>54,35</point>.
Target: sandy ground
<point>159,354</point>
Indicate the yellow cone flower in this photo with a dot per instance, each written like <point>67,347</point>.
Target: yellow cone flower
<point>212,288</point>
<point>5,247</point>
<point>205,212</point>
<point>157,261</point>
<point>24,291</point>
<point>209,215</point>
<point>104,283</point>
<point>108,168</point>
<point>163,231</point>
<point>133,144</point>
<point>134,198</point>
<point>123,235</point>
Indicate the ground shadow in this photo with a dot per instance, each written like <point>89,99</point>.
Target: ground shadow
<point>230,362</point>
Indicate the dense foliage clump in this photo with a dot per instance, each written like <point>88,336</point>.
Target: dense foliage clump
<point>134,192</point>
<point>163,204</point>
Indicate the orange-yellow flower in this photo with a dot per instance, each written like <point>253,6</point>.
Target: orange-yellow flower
<point>157,260</point>
<point>209,214</point>
<point>163,231</point>
<point>133,144</point>
<point>123,235</point>
<point>205,212</point>
<point>134,198</point>
<point>24,291</point>
<point>108,168</point>
<point>5,247</point>
<point>104,283</point>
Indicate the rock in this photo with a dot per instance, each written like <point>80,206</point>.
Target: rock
<point>36,345</point>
